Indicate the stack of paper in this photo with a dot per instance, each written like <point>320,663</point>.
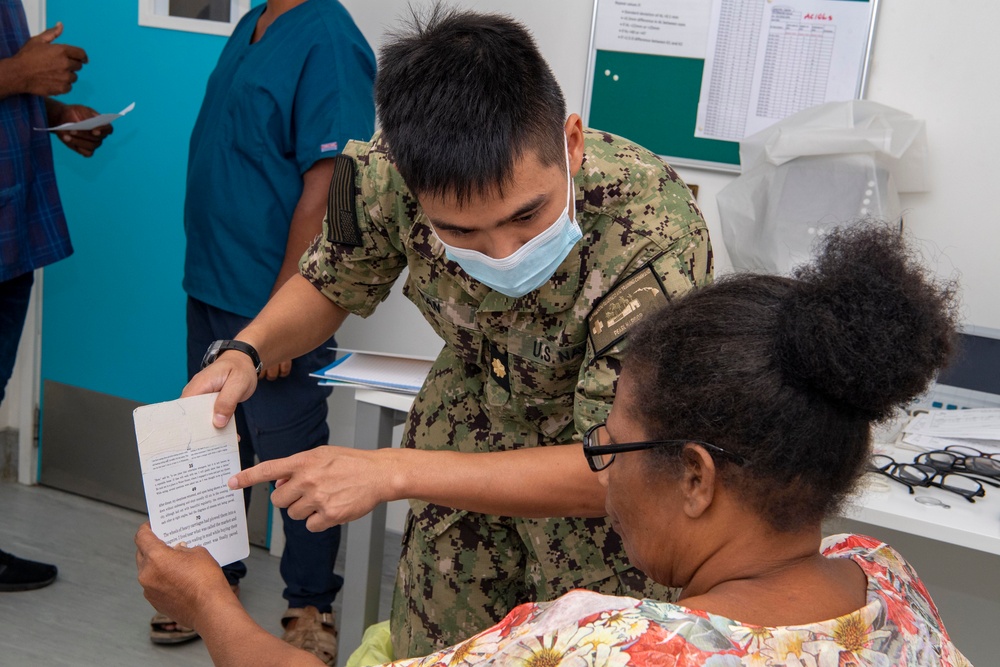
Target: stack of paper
<point>377,370</point>
<point>978,428</point>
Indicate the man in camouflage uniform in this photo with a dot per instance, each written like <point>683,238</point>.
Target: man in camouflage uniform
<point>517,371</point>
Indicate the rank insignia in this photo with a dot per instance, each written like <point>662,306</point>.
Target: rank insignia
<point>498,367</point>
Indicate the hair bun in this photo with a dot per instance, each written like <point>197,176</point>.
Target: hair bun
<point>865,326</point>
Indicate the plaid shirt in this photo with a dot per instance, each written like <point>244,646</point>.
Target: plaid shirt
<point>33,229</point>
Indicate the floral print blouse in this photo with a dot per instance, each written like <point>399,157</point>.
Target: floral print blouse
<point>899,626</point>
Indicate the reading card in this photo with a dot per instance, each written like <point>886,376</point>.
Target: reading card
<point>185,463</point>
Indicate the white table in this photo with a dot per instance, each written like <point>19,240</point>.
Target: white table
<point>883,502</point>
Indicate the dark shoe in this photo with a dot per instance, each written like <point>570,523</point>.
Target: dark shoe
<point>18,574</point>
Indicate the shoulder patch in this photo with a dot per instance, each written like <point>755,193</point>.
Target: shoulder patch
<point>633,299</point>
<point>342,204</point>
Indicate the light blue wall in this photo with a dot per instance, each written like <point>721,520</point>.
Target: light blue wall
<point>113,313</point>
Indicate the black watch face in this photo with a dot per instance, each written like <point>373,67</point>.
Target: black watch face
<point>220,346</point>
<point>211,353</point>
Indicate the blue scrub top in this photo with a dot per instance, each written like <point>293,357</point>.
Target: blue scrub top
<point>271,110</point>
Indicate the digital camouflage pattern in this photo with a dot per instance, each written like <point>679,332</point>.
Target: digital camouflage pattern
<point>514,372</point>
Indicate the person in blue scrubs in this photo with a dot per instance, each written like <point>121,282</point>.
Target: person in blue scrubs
<point>293,84</point>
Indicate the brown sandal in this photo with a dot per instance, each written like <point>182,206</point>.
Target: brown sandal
<point>313,632</point>
<point>165,630</point>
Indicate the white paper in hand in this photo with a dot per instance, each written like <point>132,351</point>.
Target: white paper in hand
<point>90,123</point>
<point>185,464</point>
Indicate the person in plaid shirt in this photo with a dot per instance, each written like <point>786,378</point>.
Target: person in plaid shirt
<point>33,230</point>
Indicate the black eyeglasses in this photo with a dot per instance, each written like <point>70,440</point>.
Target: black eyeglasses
<point>923,475</point>
<point>600,451</point>
<point>963,459</point>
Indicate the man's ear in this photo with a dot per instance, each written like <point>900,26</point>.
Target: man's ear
<point>697,480</point>
<point>574,142</point>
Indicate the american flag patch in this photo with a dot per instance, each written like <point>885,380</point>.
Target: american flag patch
<point>326,148</point>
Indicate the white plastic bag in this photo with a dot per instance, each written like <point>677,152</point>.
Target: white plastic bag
<point>824,167</point>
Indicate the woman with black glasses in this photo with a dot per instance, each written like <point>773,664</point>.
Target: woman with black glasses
<point>742,419</point>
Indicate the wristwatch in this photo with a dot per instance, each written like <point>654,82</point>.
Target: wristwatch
<point>220,346</point>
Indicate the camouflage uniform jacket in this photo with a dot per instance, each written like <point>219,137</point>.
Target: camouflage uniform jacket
<point>538,369</point>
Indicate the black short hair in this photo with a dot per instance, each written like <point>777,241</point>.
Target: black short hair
<point>791,372</point>
<point>461,96</point>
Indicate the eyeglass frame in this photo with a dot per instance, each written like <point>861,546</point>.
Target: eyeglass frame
<point>930,472</point>
<point>590,451</point>
<point>960,462</point>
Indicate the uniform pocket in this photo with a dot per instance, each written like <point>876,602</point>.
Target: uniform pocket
<point>453,321</point>
<point>251,111</point>
<point>543,378</point>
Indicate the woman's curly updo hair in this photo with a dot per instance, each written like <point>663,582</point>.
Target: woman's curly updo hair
<point>791,372</point>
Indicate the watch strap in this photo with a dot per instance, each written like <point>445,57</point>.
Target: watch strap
<point>220,346</point>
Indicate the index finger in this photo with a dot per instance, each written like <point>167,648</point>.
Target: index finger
<point>262,472</point>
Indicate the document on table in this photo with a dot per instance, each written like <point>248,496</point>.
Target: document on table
<point>185,463</point>
<point>930,442</point>
<point>977,428</point>
<point>90,123</point>
<point>975,423</point>
<point>377,370</point>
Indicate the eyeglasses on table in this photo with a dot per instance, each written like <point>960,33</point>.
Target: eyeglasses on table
<point>962,459</point>
<point>924,475</point>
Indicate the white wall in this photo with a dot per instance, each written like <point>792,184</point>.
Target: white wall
<point>34,10</point>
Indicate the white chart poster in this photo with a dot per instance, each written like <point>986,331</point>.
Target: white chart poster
<point>767,59</point>
<point>676,28</point>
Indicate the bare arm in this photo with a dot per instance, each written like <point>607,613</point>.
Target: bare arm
<point>307,222</point>
<point>333,485</point>
<point>295,321</point>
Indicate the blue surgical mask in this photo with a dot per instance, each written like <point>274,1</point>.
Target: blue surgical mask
<point>531,265</point>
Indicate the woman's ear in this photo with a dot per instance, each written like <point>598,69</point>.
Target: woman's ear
<point>697,480</point>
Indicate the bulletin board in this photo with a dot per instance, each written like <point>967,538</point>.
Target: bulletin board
<point>689,78</point>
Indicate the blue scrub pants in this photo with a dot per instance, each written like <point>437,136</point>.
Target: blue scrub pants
<point>14,295</point>
<point>283,417</point>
